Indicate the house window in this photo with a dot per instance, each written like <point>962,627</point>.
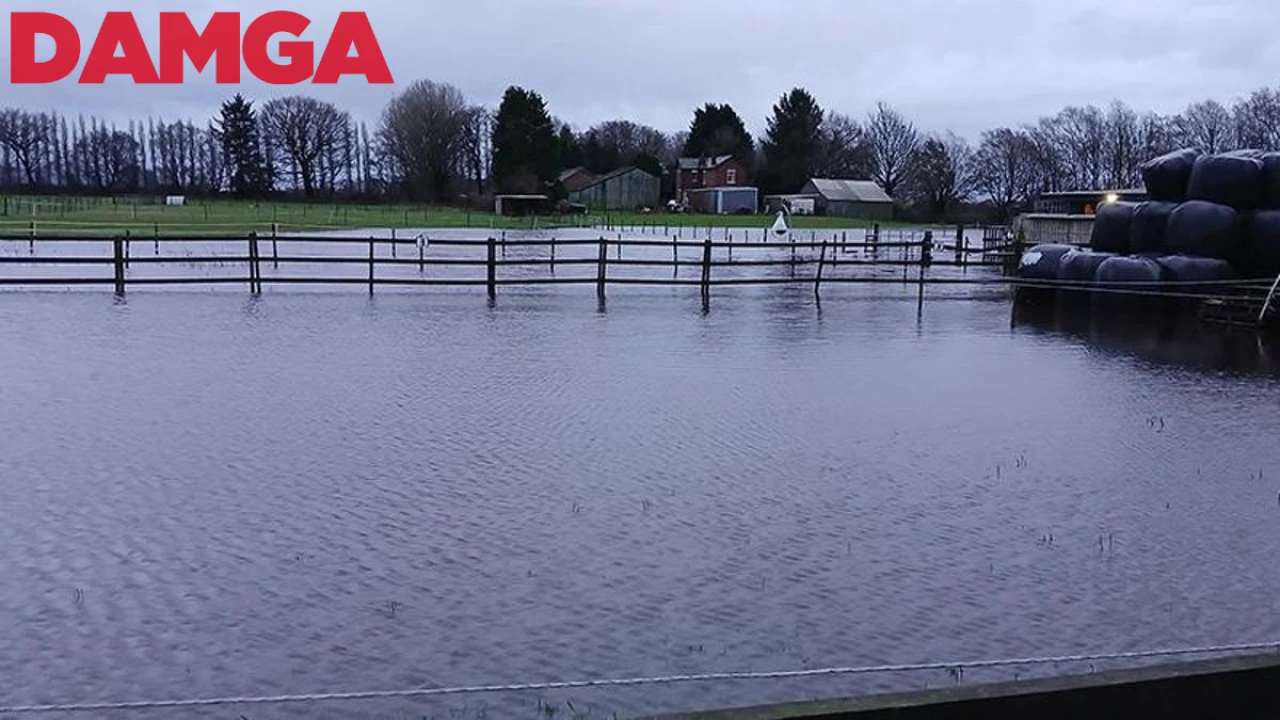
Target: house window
<point>731,176</point>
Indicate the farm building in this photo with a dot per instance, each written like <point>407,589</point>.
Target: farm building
<point>697,173</point>
<point>715,185</point>
<point>850,198</point>
<point>795,204</point>
<point>1083,202</point>
<point>574,179</point>
<point>626,188</point>
<point>521,204</point>
<point>723,200</point>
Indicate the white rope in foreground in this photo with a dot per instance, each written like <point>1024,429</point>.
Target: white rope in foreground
<point>624,682</point>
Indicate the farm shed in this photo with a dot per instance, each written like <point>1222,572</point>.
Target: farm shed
<point>521,204</point>
<point>627,188</point>
<point>850,198</point>
<point>724,200</point>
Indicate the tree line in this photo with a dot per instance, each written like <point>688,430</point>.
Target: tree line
<point>431,144</point>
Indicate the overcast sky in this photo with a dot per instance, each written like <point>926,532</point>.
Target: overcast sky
<point>965,65</point>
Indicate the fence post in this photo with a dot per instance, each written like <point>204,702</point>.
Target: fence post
<point>822,261</point>
<point>926,254</point>
<point>275,249</point>
<point>371,248</point>
<point>493,268</point>
<point>255,279</point>
<point>675,257</point>
<point>31,240</point>
<point>128,247</point>
<point>504,243</point>
<point>960,248</point>
<point>600,268</point>
<point>157,237</point>
<point>730,239</point>
<point>117,257</point>
<point>706,270</point>
<point>393,242</point>
<point>422,253</point>
<point>619,246</point>
<point>553,254</point>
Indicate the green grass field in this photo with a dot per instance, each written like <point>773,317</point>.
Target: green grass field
<point>146,216</point>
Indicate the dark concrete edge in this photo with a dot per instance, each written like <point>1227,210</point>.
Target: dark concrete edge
<point>962,693</point>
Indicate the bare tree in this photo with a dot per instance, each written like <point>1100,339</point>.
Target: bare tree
<point>175,167</point>
<point>1257,120</point>
<point>298,131</point>
<point>940,174</point>
<point>1157,135</point>
<point>1207,125</point>
<point>1004,167</point>
<point>614,143</point>
<point>23,133</point>
<point>421,134</point>
<point>848,152</point>
<point>892,140</point>
<point>476,150</point>
<point>1121,146</point>
<point>113,158</point>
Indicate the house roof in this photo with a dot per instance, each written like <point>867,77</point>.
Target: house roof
<point>850,190</point>
<point>615,174</point>
<point>693,163</point>
<point>570,172</point>
<point>575,179</point>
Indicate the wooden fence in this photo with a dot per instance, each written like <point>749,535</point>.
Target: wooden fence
<point>815,261</point>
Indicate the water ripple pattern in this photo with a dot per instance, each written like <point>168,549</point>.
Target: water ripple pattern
<point>206,495</point>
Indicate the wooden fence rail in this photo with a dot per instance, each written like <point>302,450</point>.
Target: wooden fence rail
<point>824,256</point>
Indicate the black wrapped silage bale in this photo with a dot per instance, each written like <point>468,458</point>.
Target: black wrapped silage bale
<point>1205,229</point>
<point>1147,228</point>
<point>1041,262</point>
<point>1076,270</point>
<point>1185,273</point>
<point>1261,255</point>
<point>1270,180</point>
<point>1128,271</point>
<point>1166,177</point>
<point>1229,179</point>
<point>1111,227</point>
<point>1128,280</point>
<point>1080,265</point>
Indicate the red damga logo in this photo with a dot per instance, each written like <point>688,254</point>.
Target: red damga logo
<point>119,49</point>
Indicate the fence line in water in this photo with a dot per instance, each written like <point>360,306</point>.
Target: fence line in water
<point>874,253</point>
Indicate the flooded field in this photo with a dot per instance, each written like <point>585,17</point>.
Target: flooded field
<point>208,495</point>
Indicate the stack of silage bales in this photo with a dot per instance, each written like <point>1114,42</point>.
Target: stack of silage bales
<point>1208,218</point>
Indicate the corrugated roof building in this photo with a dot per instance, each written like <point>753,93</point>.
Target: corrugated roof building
<point>850,198</point>
<point>627,188</point>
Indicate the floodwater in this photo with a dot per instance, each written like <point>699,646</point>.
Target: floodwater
<point>313,492</point>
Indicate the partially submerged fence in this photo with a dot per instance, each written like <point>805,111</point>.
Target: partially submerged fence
<point>805,258</point>
<point>494,261</point>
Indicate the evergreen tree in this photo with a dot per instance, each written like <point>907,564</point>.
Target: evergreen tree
<point>236,129</point>
<point>718,130</point>
<point>793,143</point>
<point>571,155</point>
<point>524,143</point>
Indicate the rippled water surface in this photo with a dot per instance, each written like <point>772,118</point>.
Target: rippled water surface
<point>205,495</point>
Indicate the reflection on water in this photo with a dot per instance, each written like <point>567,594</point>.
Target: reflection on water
<point>1158,335</point>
